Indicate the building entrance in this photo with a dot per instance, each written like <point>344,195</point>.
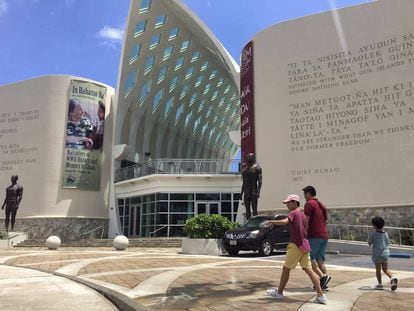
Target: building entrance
<point>208,208</point>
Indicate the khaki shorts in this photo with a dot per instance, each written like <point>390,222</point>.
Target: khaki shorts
<point>295,255</point>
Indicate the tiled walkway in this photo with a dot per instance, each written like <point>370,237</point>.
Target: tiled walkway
<point>163,279</point>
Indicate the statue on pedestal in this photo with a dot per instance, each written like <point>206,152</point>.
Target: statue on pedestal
<point>14,195</point>
<point>252,183</point>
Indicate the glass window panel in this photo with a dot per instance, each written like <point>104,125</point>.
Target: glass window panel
<point>188,118</point>
<point>235,206</point>
<point>145,89</point>
<point>193,98</point>
<point>120,201</point>
<point>204,66</point>
<point>208,196</point>
<point>185,45</point>
<point>157,100</point>
<point>182,207</point>
<point>173,33</point>
<point>162,207</point>
<point>135,200</point>
<point>149,64</point>
<point>140,28</point>
<point>182,196</point>
<point>177,231</point>
<point>160,20</point>
<point>155,40</point>
<point>213,74</point>
<point>162,74</point>
<point>144,6</point>
<point>168,106</point>
<point>207,88</point>
<point>173,83</point>
<point>198,81</point>
<point>183,91</point>
<point>130,82</point>
<point>201,105</point>
<point>179,63</point>
<point>168,52</point>
<point>189,72</point>
<point>197,123</point>
<point>195,56</point>
<point>135,52</point>
<point>161,219</point>
<point>148,219</point>
<point>162,196</point>
<point>226,196</point>
<point>179,219</point>
<point>226,207</point>
<point>178,113</point>
<point>121,210</point>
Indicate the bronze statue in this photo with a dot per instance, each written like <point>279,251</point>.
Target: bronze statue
<point>14,195</point>
<point>252,183</point>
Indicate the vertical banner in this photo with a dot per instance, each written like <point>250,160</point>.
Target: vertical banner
<point>247,101</point>
<point>84,136</point>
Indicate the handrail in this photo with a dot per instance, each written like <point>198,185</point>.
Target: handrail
<point>90,231</point>
<point>178,167</point>
<point>347,236</point>
<point>157,230</point>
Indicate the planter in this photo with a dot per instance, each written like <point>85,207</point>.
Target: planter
<point>212,247</point>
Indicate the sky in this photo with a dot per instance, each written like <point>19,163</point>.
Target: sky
<point>84,37</point>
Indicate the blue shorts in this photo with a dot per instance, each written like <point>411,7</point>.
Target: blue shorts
<point>318,249</point>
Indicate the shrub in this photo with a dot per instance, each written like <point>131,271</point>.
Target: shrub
<point>407,235</point>
<point>208,226</point>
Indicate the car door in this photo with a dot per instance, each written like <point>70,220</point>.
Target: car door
<point>280,234</point>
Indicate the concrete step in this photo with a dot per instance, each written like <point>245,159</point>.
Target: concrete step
<point>141,242</point>
<point>12,239</point>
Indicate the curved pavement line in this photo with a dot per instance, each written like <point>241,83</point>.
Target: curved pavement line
<point>159,284</point>
<point>343,297</point>
<point>74,268</point>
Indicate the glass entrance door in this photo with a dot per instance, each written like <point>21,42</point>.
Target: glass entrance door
<point>208,208</point>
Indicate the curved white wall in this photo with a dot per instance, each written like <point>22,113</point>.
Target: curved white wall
<point>334,106</point>
<point>33,116</point>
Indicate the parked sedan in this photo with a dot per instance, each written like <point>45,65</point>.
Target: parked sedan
<point>254,236</point>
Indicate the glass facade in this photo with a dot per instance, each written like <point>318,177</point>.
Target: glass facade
<point>165,214</point>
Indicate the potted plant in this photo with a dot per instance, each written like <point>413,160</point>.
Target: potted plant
<point>205,234</point>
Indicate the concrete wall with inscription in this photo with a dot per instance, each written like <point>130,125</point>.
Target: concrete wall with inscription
<point>32,138</point>
<point>334,96</point>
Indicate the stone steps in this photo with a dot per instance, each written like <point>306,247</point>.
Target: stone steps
<point>141,242</point>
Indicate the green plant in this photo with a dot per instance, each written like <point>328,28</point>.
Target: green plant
<point>208,226</point>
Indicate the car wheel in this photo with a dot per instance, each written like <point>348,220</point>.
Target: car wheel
<point>232,251</point>
<point>266,248</point>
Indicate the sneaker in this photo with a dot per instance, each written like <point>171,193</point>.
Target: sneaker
<point>324,280</point>
<point>379,287</point>
<point>321,299</point>
<point>272,292</point>
<point>394,282</point>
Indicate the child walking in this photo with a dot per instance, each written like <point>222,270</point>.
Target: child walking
<point>298,250</point>
<point>380,252</point>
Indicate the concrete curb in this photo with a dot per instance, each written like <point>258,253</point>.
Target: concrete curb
<point>121,301</point>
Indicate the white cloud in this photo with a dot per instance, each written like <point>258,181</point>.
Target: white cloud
<point>4,6</point>
<point>112,34</point>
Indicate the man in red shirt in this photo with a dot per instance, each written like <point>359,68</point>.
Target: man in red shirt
<point>317,215</point>
<point>297,251</point>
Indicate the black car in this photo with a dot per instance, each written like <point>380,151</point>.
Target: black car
<point>254,236</point>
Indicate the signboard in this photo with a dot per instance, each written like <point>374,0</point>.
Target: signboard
<point>84,136</point>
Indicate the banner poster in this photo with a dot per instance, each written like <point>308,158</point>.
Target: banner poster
<point>84,136</point>
<point>247,101</point>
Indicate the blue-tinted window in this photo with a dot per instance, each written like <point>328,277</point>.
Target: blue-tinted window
<point>160,20</point>
<point>140,28</point>
<point>173,33</point>
<point>144,6</point>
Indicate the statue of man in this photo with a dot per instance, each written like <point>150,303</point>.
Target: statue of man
<point>14,195</point>
<point>252,183</point>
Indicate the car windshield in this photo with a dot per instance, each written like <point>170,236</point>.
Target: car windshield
<point>255,222</point>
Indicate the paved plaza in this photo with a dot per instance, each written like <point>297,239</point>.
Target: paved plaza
<point>164,279</point>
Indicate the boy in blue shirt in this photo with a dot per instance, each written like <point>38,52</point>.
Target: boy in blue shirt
<point>380,252</point>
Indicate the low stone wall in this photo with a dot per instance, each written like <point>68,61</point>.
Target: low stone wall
<point>68,229</point>
<point>393,216</point>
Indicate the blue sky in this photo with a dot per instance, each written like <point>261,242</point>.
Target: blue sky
<point>84,37</point>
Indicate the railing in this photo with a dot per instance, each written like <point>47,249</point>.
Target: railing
<point>178,167</point>
<point>93,230</point>
<point>153,232</point>
<point>398,235</point>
